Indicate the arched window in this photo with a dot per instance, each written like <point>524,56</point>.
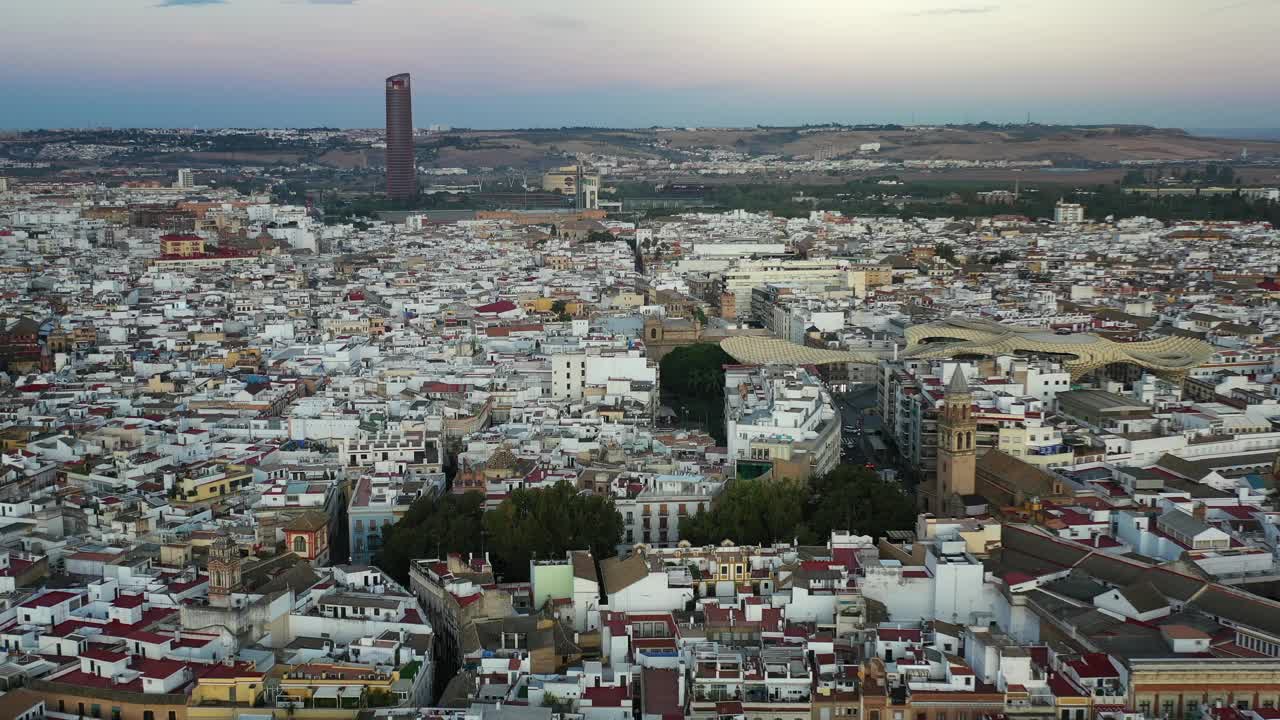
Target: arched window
<point>299,544</point>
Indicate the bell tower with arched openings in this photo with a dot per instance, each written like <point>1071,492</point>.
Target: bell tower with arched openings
<point>956,453</point>
<point>224,570</point>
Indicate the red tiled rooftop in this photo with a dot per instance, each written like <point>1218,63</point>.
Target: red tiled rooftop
<point>1094,665</point>
<point>149,637</point>
<point>605,696</point>
<point>218,671</point>
<point>50,599</point>
<point>157,669</point>
<point>83,679</point>
<point>99,653</point>
<point>129,601</point>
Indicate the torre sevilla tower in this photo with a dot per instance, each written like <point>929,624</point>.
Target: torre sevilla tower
<point>402,176</point>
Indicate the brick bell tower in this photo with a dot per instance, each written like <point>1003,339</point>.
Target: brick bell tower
<point>957,457</point>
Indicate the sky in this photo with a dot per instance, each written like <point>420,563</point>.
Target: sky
<point>636,63</point>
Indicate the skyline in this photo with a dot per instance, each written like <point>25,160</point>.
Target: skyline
<point>502,64</point>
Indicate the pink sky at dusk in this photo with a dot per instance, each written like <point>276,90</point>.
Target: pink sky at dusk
<point>520,63</point>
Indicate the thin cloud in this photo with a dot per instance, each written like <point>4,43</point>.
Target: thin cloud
<point>1232,6</point>
<point>556,21</point>
<point>962,10</point>
<point>189,3</point>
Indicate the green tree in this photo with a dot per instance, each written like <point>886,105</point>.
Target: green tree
<point>539,523</point>
<point>765,511</point>
<point>559,308</point>
<point>692,378</point>
<point>750,512</point>
<point>547,523</point>
<point>856,499</point>
<point>433,527</point>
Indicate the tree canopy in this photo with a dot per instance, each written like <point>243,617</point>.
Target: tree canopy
<point>750,512</point>
<point>765,511</point>
<point>548,523</point>
<point>530,523</point>
<point>432,527</point>
<point>693,384</point>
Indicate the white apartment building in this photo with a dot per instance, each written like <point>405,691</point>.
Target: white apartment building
<point>652,513</point>
<point>1034,443</point>
<point>1068,213</point>
<point>780,416</point>
<point>572,373</point>
<point>415,448</point>
<point>746,275</point>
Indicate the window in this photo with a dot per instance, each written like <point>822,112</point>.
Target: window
<point>299,544</point>
<point>1144,707</point>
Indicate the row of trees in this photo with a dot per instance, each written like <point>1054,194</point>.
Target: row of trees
<point>958,199</point>
<point>529,524</point>
<point>548,523</point>
<point>1211,174</point>
<point>765,511</point>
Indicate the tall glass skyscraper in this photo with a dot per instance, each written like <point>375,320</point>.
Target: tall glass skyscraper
<point>402,175</point>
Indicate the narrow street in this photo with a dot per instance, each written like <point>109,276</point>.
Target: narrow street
<point>863,439</point>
